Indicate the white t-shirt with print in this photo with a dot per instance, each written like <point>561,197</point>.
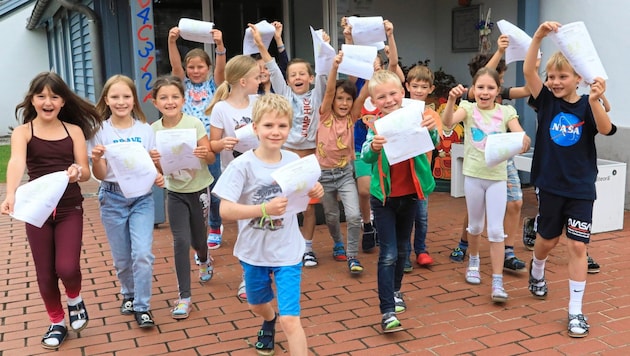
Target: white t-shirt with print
<point>139,132</point>
<point>247,180</point>
<point>228,118</point>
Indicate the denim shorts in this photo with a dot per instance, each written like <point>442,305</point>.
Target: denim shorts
<point>514,192</point>
<point>288,279</point>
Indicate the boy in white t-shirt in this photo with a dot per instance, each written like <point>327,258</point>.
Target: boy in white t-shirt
<point>267,246</point>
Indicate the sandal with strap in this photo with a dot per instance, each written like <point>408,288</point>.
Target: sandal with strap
<point>242,292</point>
<point>265,346</point>
<point>472,275</point>
<point>538,287</point>
<point>57,334</point>
<point>78,313</point>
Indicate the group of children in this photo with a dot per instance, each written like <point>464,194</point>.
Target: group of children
<point>291,121</point>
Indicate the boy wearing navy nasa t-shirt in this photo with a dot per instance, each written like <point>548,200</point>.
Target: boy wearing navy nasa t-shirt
<point>564,169</point>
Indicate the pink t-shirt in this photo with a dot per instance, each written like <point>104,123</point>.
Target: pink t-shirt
<point>335,141</point>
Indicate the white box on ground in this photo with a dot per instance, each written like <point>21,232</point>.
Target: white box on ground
<point>610,186</point>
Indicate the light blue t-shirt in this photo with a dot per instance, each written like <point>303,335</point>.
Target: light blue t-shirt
<point>197,99</point>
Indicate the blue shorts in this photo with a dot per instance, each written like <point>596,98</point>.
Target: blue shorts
<point>288,280</point>
<point>556,212</point>
<point>514,192</point>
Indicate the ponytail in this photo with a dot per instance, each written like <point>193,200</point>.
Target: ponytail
<point>222,93</point>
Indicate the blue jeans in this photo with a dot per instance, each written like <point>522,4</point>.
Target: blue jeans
<point>214,218</point>
<point>421,226</point>
<point>394,221</point>
<point>128,224</point>
<point>341,181</point>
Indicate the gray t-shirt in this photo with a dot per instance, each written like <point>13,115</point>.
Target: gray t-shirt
<point>247,180</point>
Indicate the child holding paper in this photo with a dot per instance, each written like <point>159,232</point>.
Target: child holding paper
<point>283,60</point>
<point>251,196</point>
<point>56,123</point>
<point>128,222</point>
<point>419,84</point>
<point>188,194</point>
<point>335,155</point>
<point>199,89</point>
<point>231,109</point>
<point>485,187</point>
<point>395,190</point>
<point>361,168</point>
<point>564,169</point>
<point>305,102</point>
<point>514,192</point>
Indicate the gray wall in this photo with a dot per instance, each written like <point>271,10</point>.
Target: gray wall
<point>24,55</point>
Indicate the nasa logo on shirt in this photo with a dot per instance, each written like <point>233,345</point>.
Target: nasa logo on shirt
<point>566,129</point>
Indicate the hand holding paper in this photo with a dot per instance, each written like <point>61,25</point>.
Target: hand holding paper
<point>132,167</point>
<point>296,180</point>
<point>405,136</point>
<point>519,42</point>
<point>575,43</point>
<point>195,30</point>
<point>501,146</point>
<point>266,31</point>
<point>323,51</point>
<point>358,61</point>
<point>36,200</point>
<point>247,138</point>
<point>367,30</point>
<point>176,148</point>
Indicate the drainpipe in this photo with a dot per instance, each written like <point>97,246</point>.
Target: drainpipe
<point>96,45</point>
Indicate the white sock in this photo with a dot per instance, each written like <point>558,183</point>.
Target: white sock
<point>576,292</point>
<point>497,281</point>
<point>74,301</point>
<point>309,245</point>
<point>473,261</point>
<point>538,268</point>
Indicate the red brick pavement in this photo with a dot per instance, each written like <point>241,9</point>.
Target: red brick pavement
<point>340,314</point>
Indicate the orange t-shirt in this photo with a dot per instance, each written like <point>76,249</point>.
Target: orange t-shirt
<point>335,141</point>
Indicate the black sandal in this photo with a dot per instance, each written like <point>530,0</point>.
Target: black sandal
<point>265,345</point>
<point>76,313</point>
<point>55,332</point>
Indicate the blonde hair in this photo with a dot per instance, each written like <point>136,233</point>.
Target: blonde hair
<point>235,69</point>
<point>558,61</point>
<point>103,109</point>
<point>275,103</point>
<point>381,77</point>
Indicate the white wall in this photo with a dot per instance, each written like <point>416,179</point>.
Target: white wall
<point>24,55</point>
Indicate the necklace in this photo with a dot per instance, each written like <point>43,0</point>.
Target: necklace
<point>121,133</point>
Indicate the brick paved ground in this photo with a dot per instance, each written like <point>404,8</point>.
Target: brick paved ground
<point>340,314</point>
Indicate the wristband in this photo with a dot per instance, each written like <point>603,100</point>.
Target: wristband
<point>280,47</point>
<point>220,53</point>
<point>265,216</point>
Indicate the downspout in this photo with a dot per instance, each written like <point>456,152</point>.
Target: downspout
<point>96,45</point>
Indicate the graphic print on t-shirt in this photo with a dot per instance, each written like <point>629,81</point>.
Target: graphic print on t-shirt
<point>265,194</point>
<point>565,129</point>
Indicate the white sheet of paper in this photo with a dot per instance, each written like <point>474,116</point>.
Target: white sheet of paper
<point>358,61</point>
<point>132,166</point>
<point>405,137</point>
<point>266,33</point>
<point>176,149</point>
<point>37,199</point>
<point>367,30</point>
<point>195,30</point>
<point>501,146</point>
<point>247,138</point>
<point>296,179</point>
<point>323,51</point>
<point>519,42</point>
<point>575,43</point>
